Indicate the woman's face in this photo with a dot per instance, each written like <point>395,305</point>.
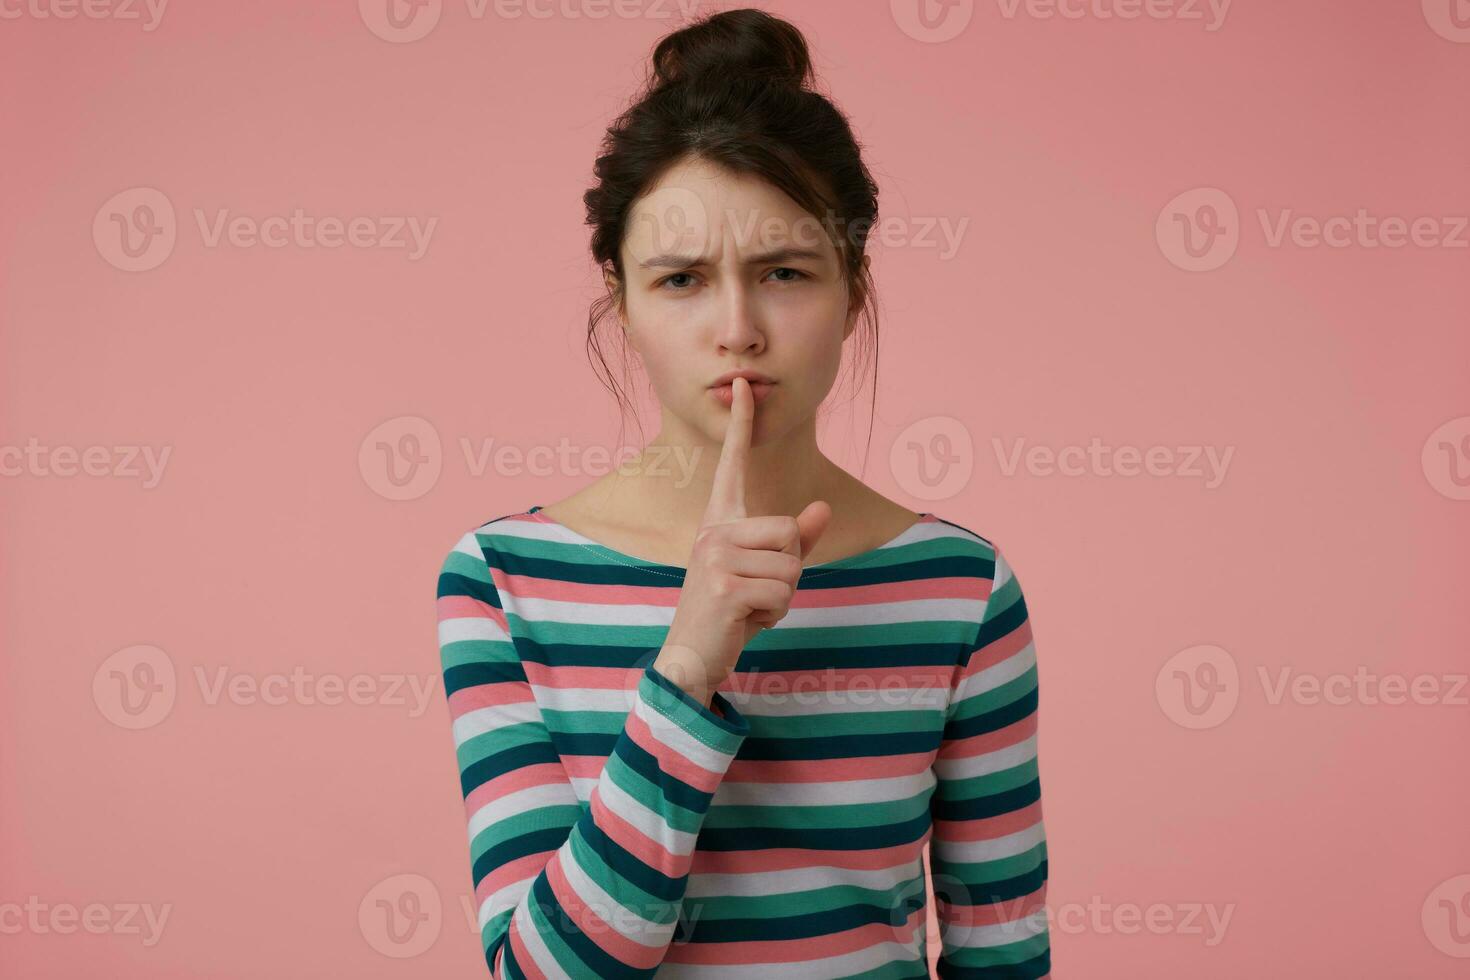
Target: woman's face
<point>725,272</point>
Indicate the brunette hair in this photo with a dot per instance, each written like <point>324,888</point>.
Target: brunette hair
<point>736,89</point>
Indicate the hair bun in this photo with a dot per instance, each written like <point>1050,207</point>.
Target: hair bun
<point>734,43</point>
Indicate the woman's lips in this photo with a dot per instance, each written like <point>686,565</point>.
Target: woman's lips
<point>758,390</point>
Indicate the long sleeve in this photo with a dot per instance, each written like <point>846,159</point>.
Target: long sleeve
<point>563,889</point>
<point>988,851</point>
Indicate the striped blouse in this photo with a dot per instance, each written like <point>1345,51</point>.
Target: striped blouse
<point>620,828</point>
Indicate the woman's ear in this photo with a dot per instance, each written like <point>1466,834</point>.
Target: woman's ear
<point>855,301</point>
<point>610,280</point>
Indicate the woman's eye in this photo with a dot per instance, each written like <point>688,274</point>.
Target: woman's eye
<point>668,281</point>
<point>799,274</point>
<point>676,275</point>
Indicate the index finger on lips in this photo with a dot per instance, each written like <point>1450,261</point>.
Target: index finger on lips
<point>727,491</point>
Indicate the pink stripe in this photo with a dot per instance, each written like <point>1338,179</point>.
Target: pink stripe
<point>768,772</point>
<point>997,651</point>
<point>790,858</point>
<point>521,869</point>
<point>493,695</point>
<point>951,587</point>
<point>464,606</point>
<point>989,828</point>
<point>995,913</point>
<point>776,773</point>
<point>526,777</point>
<point>590,593</point>
<point>672,763</point>
<point>1001,738</point>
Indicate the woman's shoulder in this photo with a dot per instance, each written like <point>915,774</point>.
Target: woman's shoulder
<point>926,532</point>
<point>961,538</point>
<point>493,534</point>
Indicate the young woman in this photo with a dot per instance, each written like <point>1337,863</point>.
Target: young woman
<point>698,736</point>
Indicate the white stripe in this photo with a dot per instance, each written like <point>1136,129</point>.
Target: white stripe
<point>879,613</point>
<point>506,897</point>
<point>676,739</point>
<point>998,674</point>
<point>890,789</point>
<point>458,628</point>
<point>987,762</point>
<point>792,695</point>
<point>1000,934</point>
<point>1003,573</point>
<point>524,801</point>
<point>769,696</point>
<point>792,880</point>
<point>469,544</point>
<point>584,700</point>
<point>974,852</point>
<point>482,720</point>
<point>542,609</point>
<point>648,823</point>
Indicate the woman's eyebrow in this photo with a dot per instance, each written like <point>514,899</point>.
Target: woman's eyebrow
<point>676,260</point>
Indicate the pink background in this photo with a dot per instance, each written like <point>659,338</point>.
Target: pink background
<point>1334,834</point>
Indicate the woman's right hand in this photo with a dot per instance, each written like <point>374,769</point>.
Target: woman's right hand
<point>742,570</point>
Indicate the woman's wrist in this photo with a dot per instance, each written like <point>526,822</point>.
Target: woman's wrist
<point>685,671</point>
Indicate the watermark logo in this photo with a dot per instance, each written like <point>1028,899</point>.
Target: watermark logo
<point>135,230</point>
<point>400,21</point>
<point>1198,687</point>
<point>404,21</point>
<point>934,458</point>
<point>1446,917</point>
<point>136,687</point>
<point>401,916</point>
<point>1199,230</point>
<point>1211,13</point>
<point>1208,921</point>
<point>676,667</point>
<point>1446,458</point>
<point>935,21</point>
<point>932,21</point>
<point>400,459</point>
<point>1207,464</point>
<point>676,222</point>
<point>1450,19</point>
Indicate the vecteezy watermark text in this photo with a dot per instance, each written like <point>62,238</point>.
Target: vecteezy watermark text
<point>1201,686</point>
<point>37,460</point>
<point>136,230</point>
<point>136,687</point>
<point>124,10</point>
<point>39,917</point>
<point>403,457</point>
<point>1205,463</point>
